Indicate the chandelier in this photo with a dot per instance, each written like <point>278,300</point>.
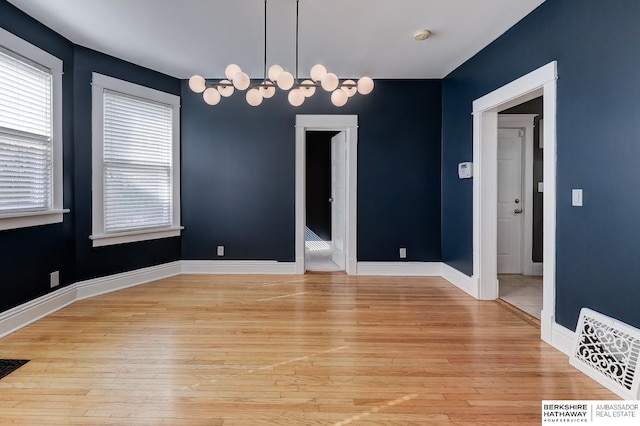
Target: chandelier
<point>276,77</point>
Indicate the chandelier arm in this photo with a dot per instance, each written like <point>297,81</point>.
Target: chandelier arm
<point>265,41</point>
<point>297,19</point>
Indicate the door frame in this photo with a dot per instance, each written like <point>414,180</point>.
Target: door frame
<point>348,124</point>
<point>524,121</point>
<point>541,82</point>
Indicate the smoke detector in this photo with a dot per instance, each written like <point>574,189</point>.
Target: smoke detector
<point>421,35</point>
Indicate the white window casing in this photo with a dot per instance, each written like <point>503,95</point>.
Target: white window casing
<point>135,162</point>
<point>30,135</point>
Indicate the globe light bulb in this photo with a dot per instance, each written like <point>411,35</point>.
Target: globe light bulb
<point>197,84</point>
<point>241,80</point>
<point>267,90</point>
<point>308,88</point>
<point>330,82</point>
<point>296,98</point>
<point>339,97</point>
<point>211,96</point>
<point>285,80</point>
<point>274,72</point>
<point>317,72</point>
<point>225,88</point>
<point>231,70</point>
<point>365,85</point>
<point>254,98</point>
<point>351,89</point>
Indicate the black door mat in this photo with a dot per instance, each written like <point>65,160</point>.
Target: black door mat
<point>8,366</point>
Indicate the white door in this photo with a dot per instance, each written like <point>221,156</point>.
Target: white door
<point>338,199</point>
<point>510,201</point>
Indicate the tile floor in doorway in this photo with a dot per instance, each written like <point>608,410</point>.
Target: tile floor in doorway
<point>317,254</point>
<point>522,291</point>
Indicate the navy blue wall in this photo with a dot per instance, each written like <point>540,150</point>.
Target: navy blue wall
<point>101,261</point>
<point>28,255</point>
<point>238,175</point>
<point>595,44</point>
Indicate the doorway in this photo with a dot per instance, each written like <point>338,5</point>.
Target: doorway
<point>541,82</point>
<point>520,186</point>
<point>344,168</point>
<point>324,203</point>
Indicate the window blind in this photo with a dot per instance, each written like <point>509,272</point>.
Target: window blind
<point>25,135</point>
<point>137,156</point>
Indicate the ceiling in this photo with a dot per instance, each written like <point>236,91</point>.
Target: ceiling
<point>351,37</point>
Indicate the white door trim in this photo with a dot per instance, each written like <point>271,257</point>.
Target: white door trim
<point>485,140</point>
<point>524,121</point>
<point>348,124</point>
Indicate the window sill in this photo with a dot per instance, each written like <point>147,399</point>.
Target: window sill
<point>100,240</point>
<point>28,219</point>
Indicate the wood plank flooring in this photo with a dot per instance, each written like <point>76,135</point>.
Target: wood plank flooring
<point>318,349</point>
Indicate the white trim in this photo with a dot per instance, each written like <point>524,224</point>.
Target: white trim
<point>30,312</point>
<point>55,66</point>
<point>237,267</point>
<point>99,238</point>
<point>133,236</point>
<point>27,313</point>
<point>32,219</point>
<point>562,339</point>
<point>399,269</point>
<point>525,122</point>
<point>485,110</point>
<point>348,124</point>
<point>537,269</point>
<point>111,283</point>
<point>464,282</point>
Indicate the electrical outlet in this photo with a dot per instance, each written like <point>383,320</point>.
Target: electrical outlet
<point>54,279</point>
<point>403,252</point>
<point>220,250</point>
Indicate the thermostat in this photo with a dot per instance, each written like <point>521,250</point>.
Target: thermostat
<point>465,170</point>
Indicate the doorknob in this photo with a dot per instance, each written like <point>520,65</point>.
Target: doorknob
<point>517,200</point>
<point>331,200</point>
<point>517,211</point>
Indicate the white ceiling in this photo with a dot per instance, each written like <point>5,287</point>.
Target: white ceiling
<point>351,37</point>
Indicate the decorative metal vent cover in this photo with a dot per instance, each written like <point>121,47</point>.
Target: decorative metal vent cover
<point>607,350</point>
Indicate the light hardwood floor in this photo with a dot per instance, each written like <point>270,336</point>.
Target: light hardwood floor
<point>318,349</point>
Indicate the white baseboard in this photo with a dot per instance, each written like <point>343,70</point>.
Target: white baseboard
<point>464,282</point>
<point>399,269</point>
<point>27,313</point>
<point>13,319</point>
<point>103,285</point>
<point>237,267</point>
<point>30,312</point>
<point>562,339</point>
<point>537,268</point>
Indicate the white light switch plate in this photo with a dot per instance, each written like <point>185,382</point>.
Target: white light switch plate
<point>576,197</point>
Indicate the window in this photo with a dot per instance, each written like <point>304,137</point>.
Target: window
<point>30,135</point>
<point>136,176</point>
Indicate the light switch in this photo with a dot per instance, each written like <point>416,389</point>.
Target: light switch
<point>576,197</point>
<point>540,186</point>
